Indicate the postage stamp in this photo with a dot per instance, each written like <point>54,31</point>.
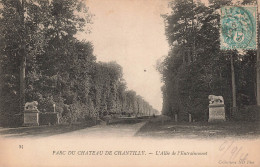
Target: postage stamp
<point>238,28</point>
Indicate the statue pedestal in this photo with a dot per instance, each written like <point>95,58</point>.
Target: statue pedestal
<point>216,112</point>
<point>31,118</point>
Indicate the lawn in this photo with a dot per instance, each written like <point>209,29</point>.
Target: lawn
<point>168,128</point>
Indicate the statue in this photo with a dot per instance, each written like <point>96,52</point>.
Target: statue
<point>31,114</point>
<point>216,108</point>
<point>31,106</point>
<point>215,99</point>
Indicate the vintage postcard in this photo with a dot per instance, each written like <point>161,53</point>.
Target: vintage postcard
<point>122,83</point>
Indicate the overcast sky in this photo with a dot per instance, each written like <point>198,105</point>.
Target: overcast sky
<point>131,32</point>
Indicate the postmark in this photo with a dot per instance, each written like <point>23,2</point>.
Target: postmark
<point>238,28</point>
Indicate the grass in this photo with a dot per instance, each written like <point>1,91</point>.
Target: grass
<point>170,129</point>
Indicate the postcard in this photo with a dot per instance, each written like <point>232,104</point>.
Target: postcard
<point>169,83</point>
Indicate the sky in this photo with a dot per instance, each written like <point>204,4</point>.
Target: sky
<point>131,32</point>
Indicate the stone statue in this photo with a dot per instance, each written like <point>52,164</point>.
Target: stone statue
<point>216,108</point>
<point>215,99</point>
<point>31,106</point>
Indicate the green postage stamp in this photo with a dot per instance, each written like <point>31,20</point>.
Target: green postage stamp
<point>238,28</point>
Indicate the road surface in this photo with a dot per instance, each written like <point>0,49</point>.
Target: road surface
<point>114,130</point>
<point>119,128</point>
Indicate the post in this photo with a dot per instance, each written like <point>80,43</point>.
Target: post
<point>54,107</point>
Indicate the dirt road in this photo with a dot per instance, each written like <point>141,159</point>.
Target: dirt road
<point>105,131</point>
<point>123,129</point>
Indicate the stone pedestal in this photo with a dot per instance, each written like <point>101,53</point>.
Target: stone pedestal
<point>31,118</point>
<point>216,112</point>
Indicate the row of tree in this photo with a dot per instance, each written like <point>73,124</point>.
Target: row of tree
<point>38,41</point>
<point>195,67</point>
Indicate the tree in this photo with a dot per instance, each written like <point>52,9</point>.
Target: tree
<point>30,31</point>
<point>60,69</point>
<point>21,38</point>
<point>188,81</point>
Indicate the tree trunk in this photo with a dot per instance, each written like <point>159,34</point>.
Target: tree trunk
<point>258,77</point>
<point>258,69</point>
<point>22,82</point>
<point>23,61</point>
<point>233,82</point>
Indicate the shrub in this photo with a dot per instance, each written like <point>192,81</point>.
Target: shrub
<point>247,113</point>
<point>48,118</point>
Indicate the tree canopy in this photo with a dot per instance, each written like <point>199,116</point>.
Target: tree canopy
<point>195,67</point>
<point>60,69</point>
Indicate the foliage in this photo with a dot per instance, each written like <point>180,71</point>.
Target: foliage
<point>196,67</point>
<point>60,69</point>
<point>247,113</point>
